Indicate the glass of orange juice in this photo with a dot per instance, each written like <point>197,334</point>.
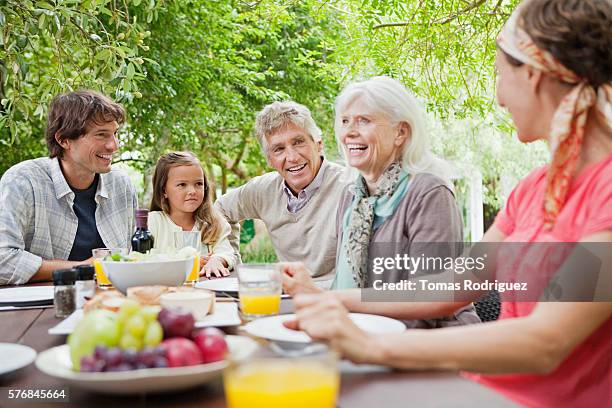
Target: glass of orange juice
<point>99,254</point>
<point>190,239</point>
<point>274,381</point>
<point>259,290</point>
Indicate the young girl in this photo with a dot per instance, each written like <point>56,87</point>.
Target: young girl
<point>182,202</point>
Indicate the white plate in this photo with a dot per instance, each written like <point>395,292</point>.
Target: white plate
<point>219,284</point>
<point>15,356</point>
<point>25,294</point>
<point>226,314</point>
<point>56,363</point>
<point>272,328</point>
<point>13,308</point>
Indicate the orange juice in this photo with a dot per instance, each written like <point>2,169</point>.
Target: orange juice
<point>100,275</point>
<point>253,303</point>
<point>195,271</point>
<point>282,384</point>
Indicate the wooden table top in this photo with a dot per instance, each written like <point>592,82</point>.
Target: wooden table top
<point>360,386</point>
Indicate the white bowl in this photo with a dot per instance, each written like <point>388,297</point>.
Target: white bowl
<point>124,275</point>
<point>197,302</point>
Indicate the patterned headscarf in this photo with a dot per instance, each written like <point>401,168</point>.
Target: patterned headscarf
<point>569,121</point>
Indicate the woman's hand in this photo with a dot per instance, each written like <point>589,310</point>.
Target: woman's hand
<point>215,267</point>
<point>324,317</point>
<point>296,279</point>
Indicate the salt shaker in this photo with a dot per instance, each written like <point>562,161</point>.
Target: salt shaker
<point>85,286</point>
<point>64,291</point>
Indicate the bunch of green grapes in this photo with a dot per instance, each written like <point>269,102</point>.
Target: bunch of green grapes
<point>138,325</point>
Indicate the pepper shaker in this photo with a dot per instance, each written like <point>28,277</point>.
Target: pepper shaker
<point>85,286</point>
<point>64,292</point>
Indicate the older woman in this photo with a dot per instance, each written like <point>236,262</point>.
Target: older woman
<point>401,197</point>
<point>555,78</point>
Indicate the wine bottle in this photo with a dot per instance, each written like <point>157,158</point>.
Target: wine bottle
<point>142,240</point>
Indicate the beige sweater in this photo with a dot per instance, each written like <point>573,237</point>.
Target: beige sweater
<point>308,236</point>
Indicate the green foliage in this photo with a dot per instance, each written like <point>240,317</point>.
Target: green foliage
<point>220,63</point>
<point>261,252</point>
<point>478,146</point>
<point>444,52</point>
<point>48,47</point>
<point>193,73</point>
<point>247,231</point>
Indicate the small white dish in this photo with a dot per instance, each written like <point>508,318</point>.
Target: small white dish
<point>15,356</point>
<point>55,362</point>
<point>272,328</point>
<point>197,302</point>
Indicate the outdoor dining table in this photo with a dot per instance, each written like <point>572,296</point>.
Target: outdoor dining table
<point>361,386</point>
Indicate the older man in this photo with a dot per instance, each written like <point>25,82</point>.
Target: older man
<point>298,201</point>
<point>56,209</point>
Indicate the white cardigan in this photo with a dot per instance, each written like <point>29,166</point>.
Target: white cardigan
<point>163,229</point>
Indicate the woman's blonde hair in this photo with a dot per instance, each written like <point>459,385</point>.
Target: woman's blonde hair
<point>206,215</point>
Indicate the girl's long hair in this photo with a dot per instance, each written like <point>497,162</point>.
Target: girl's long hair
<point>205,215</point>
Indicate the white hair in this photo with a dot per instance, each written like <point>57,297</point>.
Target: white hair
<point>390,98</point>
<point>278,115</point>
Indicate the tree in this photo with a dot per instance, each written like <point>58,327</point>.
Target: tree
<point>193,73</point>
<point>50,47</point>
<point>444,52</point>
<point>220,63</point>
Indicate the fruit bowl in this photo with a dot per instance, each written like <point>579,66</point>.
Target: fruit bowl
<point>55,362</point>
<point>124,275</point>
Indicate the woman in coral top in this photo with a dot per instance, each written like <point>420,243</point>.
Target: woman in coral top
<point>554,64</point>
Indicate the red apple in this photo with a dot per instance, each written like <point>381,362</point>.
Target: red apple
<point>182,352</point>
<point>211,343</point>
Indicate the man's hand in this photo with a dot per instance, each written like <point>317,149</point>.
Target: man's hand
<point>88,261</point>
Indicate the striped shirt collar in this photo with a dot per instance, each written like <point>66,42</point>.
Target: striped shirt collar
<point>294,203</point>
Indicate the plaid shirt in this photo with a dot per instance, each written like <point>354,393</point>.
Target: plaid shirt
<point>37,220</point>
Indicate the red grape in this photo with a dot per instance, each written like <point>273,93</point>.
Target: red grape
<point>146,357</point>
<point>130,356</point>
<point>160,362</point>
<point>114,357</point>
<point>100,352</point>
<point>89,364</point>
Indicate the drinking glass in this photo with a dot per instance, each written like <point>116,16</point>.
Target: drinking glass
<point>259,290</point>
<point>276,381</point>
<point>190,239</point>
<point>98,254</point>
